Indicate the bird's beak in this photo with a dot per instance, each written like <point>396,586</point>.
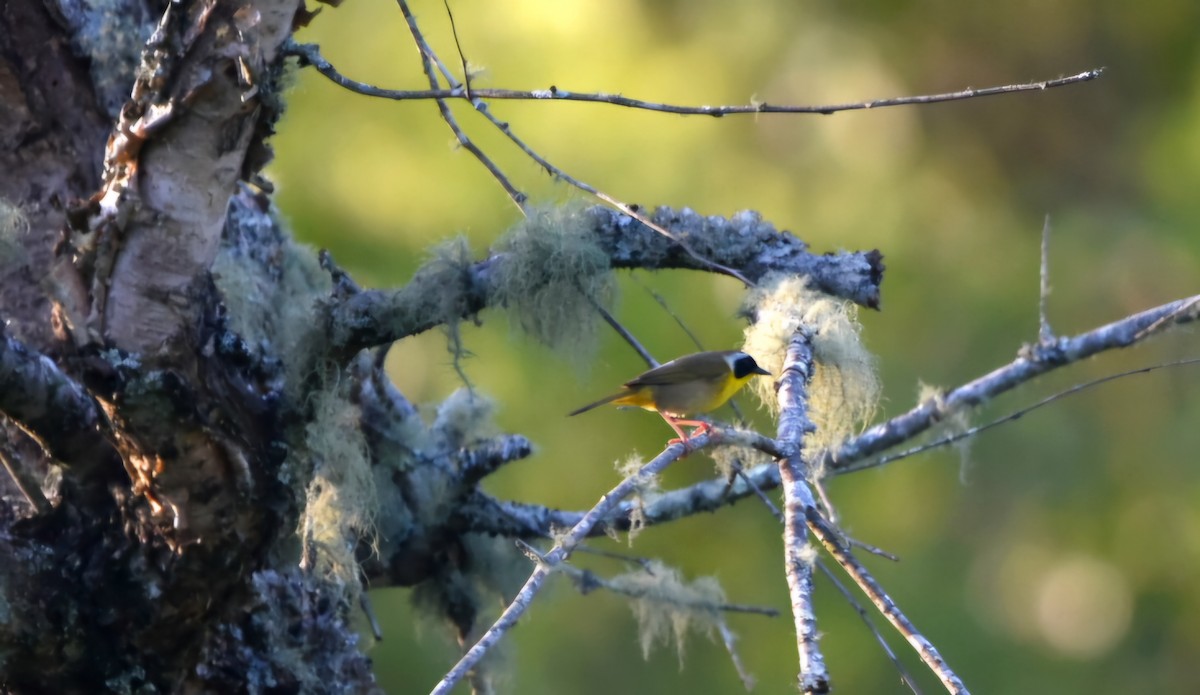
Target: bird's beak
<point>760,370</point>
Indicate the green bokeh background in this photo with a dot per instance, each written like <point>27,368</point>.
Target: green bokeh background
<point>1063,553</point>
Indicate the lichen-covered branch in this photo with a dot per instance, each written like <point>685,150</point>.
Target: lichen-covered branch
<point>484,514</point>
<point>1033,361</point>
<point>526,521</point>
<point>744,242</point>
<point>561,551</point>
<point>799,556</point>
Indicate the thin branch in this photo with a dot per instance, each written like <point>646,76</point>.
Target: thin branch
<point>364,603</point>
<point>758,492</point>
<point>1015,415</point>
<point>905,677</point>
<point>311,55</point>
<point>517,519</point>
<point>1032,362</point>
<point>826,503</point>
<point>310,52</point>
<point>874,550</point>
<point>560,552</point>
<point>799,556</point>
<point>662,302</point>
<point>462,58</point>
<point>427,56</point>
<point>587,581</point>
<point>645,563</point>
<point>729,639</point>
<point>924,648</point>
<point>625,333</point>
<point>482,108</point>
<point>1045,335</point>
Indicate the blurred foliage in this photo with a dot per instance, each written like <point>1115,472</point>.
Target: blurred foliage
<point>1062,553</point>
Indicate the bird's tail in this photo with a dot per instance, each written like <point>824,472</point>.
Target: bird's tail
<point>602,401</point>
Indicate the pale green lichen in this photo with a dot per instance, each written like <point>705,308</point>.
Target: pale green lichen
<point>845,388</point>
<point>728,459</point>
<point>646,490</point>
<point>440,290</point>
<point>666,607</point>
<point>951,422</point>
<point>465,417</point>
<point>553,277</point>
<point>341,502</point>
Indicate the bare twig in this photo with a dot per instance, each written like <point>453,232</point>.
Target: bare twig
<point>874,550</point>
<point>1032,362</point>
<point>762,496</point>
<point>1045,335</point>
<point>427,58</point>
<point>631,210</point>
<point>662,302</point>
<point>587,581</point>
<point>1015,415</point>
<point>626,334</point>
<point>646,564</point>
<point>529,521</point>
<point>310,54</point>
<point>480,106</point>
<point>924,648</point>
<point>799,556</point>
<point>462,57</point>
<point>862,613</point>
<point>364,602</point>
<point>560,552</point>
<point>826,503</point>
<point>729,640</point>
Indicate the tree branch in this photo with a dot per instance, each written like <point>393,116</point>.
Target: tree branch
<point>1032,361</point>
<point>310,55</point>
<point>924,648</point>
<point>560,552</point>
<point>521,520</point>
<point>799,556</point>
<point>744,242</point>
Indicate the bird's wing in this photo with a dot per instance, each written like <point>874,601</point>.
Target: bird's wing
<point>677,371</point>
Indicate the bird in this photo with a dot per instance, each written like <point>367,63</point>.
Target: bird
<point>687,385</point>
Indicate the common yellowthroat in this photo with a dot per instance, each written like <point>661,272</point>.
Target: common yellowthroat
<point>688,385</point>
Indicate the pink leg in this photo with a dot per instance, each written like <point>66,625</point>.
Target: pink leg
<point>700,425</point>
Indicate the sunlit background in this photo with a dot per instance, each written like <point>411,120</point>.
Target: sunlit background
<point>1062,552</point>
